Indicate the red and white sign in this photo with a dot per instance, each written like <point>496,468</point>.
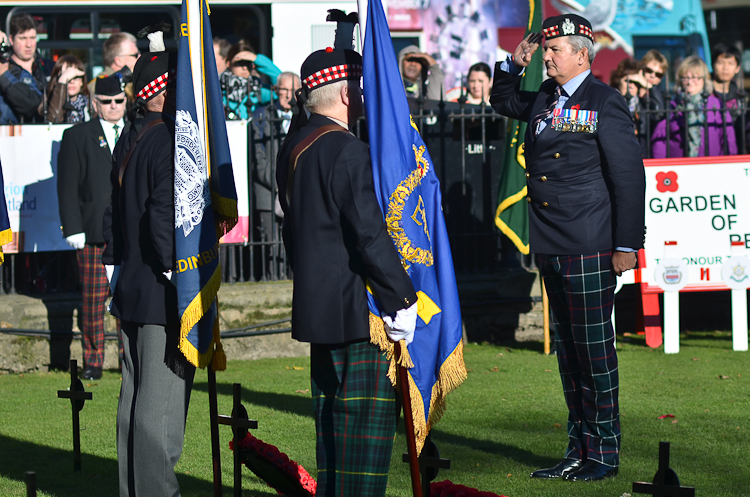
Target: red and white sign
<point>703,205</point>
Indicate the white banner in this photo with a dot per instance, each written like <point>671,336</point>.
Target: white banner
<point>237,134</point>
<point>695,209</point>
<point>29,159</point>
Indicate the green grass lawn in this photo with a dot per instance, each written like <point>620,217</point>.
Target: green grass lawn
<point>505,421</point>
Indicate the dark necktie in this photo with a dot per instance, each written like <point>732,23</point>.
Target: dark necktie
<point>546,111</point>
<point>117,132</point>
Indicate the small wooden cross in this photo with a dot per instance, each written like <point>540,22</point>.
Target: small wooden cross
<point>666,483</point>
<point>430,463</point>
<point>240,424</point>
<point>78,396</point>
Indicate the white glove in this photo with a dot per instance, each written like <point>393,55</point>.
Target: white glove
<point>167,275</point>
<point>76,241</point>
<point>402,325</point>
<point>113,273</point>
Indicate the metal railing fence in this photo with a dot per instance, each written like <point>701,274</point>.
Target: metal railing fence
<point>466,146</point>
<point>730,117</point>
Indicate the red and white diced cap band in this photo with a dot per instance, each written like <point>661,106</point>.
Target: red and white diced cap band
<point>328,75</point>
<point>155,86</point>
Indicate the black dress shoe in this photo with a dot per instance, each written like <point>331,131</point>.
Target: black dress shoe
<point>565,467</point>
<point>591,471</point>
<point>92,373</point>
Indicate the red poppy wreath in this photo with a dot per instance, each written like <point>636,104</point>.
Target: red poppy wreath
<point>275,468</point>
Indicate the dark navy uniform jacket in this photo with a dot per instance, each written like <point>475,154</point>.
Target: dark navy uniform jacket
<point>84,190</point>
<point>141,238</point>
<point>586,191</point>
<point>336,239</point>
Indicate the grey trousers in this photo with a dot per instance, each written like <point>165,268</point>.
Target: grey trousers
<point>152,411</point>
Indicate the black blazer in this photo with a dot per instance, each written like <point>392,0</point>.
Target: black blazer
<point>336,239</point>
<point>586,191</point>
<point>141,239</point>
<point>84,191</point>
<point>265,150</point>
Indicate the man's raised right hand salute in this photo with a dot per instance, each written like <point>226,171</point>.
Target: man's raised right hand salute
<point>525,49</point>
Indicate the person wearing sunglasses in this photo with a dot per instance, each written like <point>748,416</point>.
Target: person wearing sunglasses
<point>242,89</point>
<point>654,67</point>
<point>696,110</point>
<point>67,92</point>
<point>84,191</point>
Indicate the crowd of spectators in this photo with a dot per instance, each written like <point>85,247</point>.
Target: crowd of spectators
<point>704,114</point>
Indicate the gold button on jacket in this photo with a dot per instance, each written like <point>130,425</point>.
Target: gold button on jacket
<point>543,178</point>
<point>557,155</point>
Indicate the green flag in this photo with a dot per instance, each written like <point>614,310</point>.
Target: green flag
<point>512,216</point>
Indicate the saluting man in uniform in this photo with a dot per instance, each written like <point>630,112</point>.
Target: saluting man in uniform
<point>337,243</point>
<point>586,196</point>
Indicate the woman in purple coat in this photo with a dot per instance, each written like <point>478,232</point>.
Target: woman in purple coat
<point>695,81</point>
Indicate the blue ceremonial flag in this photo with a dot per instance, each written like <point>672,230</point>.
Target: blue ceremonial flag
<point>409,194</point>
<point>5,233</point>
<point>204,195</point>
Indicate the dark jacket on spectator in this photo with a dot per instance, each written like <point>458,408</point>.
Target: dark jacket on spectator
<point>74,112</point>
<point>266,125</point>
<point>731,100</point>
<point>23,92</point>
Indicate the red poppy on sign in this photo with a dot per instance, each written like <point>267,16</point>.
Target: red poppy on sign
<point>666,182</point>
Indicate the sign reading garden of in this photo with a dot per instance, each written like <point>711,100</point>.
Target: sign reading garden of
<point>698,212</point>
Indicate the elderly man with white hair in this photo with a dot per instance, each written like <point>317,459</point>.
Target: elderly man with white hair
<point>339,249</point>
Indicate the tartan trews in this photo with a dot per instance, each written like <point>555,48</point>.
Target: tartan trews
<point>581,292</point>
<point>356,411</point>
<point>94,290</point>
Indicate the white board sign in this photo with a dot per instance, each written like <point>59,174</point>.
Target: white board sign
<point>702,204</point>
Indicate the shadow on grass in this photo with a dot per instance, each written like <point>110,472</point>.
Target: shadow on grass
<point>301,405</point>
<point>98,476</point>
<point>469,446</point>
<point>292,404</point>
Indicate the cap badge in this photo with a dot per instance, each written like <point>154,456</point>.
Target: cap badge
<point>568,28</point>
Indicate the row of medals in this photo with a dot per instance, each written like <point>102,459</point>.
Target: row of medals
<point>561,123</point>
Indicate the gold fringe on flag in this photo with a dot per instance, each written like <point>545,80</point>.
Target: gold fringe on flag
<point>384,343</point>
<point>452,373</point>
<point>194,312</point>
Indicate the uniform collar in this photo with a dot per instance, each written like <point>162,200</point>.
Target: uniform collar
<point>571,86</point>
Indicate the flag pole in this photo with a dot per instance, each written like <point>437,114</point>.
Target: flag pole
<point>214,420</point>
<point>411,441</point>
